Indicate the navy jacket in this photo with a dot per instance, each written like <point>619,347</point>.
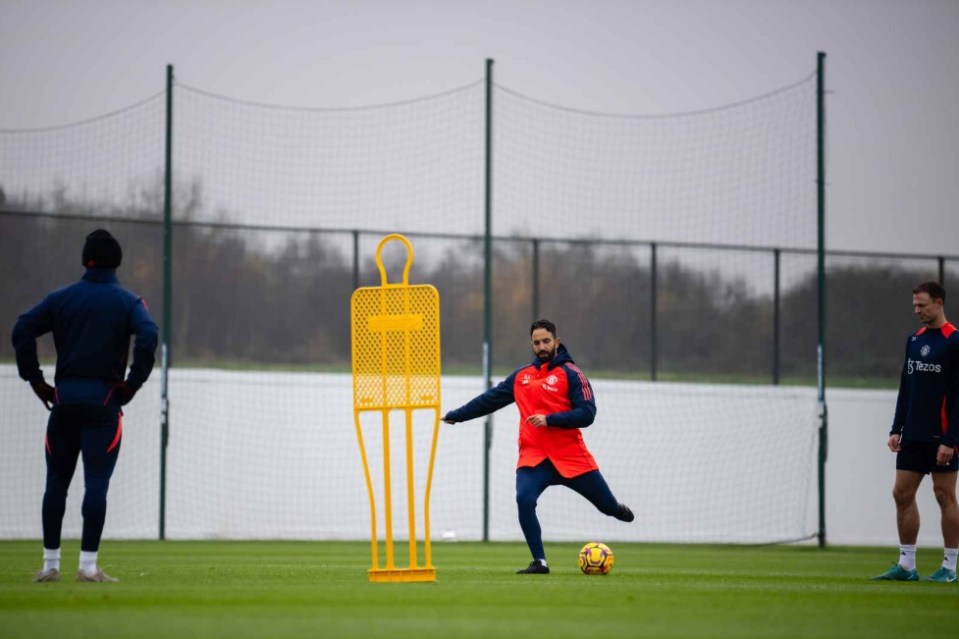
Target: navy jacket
<point>926,409</point>
<point>92,321</point>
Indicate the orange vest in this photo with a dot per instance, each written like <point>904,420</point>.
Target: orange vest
<point>540,390</point>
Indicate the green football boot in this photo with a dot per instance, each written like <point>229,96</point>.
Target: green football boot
<point>943,576</point>
<point>898,573</point>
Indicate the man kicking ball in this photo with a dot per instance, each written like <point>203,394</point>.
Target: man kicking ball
<point>555,401</point>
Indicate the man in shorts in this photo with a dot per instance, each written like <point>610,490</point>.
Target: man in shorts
<point>925,433</point>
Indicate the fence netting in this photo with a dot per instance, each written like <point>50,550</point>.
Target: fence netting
<point>676,254</point>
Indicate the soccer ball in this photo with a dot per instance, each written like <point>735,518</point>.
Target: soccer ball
<point>595,559</point>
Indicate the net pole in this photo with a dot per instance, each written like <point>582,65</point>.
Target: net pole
<point>167,297</point>
<point>356,259</point>
<point>488,293</point>
<point>821,289</point>
<point>535,286</point>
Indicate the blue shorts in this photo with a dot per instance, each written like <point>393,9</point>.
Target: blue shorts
<point>920,457</point>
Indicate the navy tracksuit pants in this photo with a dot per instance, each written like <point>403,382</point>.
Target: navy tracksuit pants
<point>94,432</point>
<point>532,481</point>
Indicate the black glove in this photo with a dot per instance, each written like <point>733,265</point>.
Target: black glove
<point>124,393</point>
<point>46,393</point>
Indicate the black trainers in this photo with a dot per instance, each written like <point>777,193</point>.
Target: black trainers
<point>623,513</point>
<point>534,568</point>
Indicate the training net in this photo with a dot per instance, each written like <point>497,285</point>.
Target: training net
<point>672,251</point>
<point>56,185</point>
<point>655,239</point>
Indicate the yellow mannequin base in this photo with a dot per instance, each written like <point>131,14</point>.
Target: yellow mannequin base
<point>402,575</point>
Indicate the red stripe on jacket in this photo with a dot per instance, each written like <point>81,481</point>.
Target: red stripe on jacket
<point>587,389</point>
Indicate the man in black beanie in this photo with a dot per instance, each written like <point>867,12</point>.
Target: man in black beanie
<point>101,250</point>
<point>92,322</point>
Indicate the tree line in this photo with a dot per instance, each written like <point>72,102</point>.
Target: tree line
<point>255,298</point>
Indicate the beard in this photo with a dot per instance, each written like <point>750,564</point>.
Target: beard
<point>546,355</point>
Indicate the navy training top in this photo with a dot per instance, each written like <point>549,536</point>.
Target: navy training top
<point>929,388</point>
<point>92,321</point>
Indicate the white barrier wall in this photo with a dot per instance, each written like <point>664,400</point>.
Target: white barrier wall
<point>254,455</point>
<point>860,472</point>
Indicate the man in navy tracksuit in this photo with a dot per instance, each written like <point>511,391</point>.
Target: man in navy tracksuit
<point>92,321</point>
<point>925,432</point>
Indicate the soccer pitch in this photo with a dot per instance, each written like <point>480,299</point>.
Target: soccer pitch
<point>320,589</point>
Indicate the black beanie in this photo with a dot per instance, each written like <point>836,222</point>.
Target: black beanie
<point>101,250</point>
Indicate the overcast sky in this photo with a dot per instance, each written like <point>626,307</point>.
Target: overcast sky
<point>892,71</point>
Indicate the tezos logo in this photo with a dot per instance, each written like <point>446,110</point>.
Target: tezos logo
<point>924,350</point>
<point>913,365</point>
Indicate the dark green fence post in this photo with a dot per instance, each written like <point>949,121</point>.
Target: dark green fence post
<point>488,293</point>
<point>821,288</point>
<point>167,298</point>
<point>356,260</point>
<point>776,316</point>
<point>653,338</point>
<point>535,283</point>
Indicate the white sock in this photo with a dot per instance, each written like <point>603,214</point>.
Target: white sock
<point>542,561</point>
<point>907,556</point>
<point>51,559</point>
<point>88,561</point>
<point>949,561</point>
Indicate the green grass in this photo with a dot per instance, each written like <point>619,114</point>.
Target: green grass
<point>320,589</point>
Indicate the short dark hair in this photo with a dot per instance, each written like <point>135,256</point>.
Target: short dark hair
<point>101,250</point>
<point>543,323</point>
<point>934,289</point>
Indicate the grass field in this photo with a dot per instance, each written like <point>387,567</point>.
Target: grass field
<point>320,589</point>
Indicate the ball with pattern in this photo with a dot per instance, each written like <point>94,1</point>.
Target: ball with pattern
<point>595,559</point>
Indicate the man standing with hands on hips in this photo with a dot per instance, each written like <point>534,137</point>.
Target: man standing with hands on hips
<point>92,321</point>
<point>925,433</point>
